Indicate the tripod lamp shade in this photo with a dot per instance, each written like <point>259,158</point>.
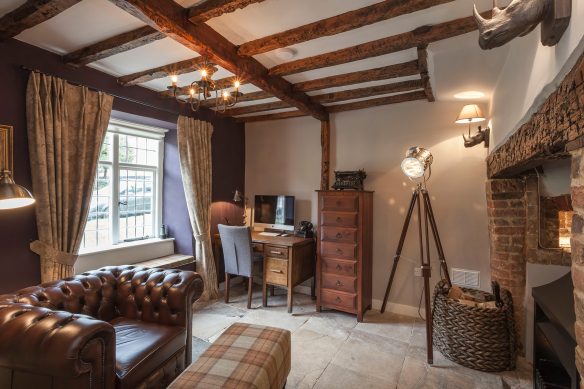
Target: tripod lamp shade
<point>11,194</point>
<point>470,113</point>
<point>416,162</point>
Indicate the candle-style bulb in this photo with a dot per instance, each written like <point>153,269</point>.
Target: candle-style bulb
<point>204,73</point>
<point>174,79</point>
<point>236,84</point>
<point>225,95</point>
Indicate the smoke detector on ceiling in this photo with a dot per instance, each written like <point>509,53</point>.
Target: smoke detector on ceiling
<point>286,53</point>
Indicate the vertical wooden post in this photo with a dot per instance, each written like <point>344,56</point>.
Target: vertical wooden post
<point>325,143</point>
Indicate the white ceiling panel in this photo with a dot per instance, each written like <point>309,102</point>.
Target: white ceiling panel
<point>363,85</point>
<point>364,99</point>
<point>85,23</point>
<point>268,112</point>
<point>158,53</point>
<point>257,102</point>
<point>9,5</point>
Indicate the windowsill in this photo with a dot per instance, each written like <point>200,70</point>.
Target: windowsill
<point>123,245</point>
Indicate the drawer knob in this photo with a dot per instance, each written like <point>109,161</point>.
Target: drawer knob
<point>276,252</point>
<point>339,251</point>
<point>339,235</point>
<point>339,283</point>
<point>338,299</point>
<point>276,271</point>
<point>339,267</point>
<point>339,219</point>
<point>338,203</point>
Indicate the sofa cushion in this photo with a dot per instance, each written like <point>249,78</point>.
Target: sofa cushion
<point>141,347</point>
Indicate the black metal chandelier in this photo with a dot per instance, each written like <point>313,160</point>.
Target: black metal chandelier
<point>205,88</point>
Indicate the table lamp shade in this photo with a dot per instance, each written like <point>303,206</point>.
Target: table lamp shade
<point>13,195</point>
<point>470,113</point>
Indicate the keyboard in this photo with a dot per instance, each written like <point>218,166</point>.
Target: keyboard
<point>269,233</point>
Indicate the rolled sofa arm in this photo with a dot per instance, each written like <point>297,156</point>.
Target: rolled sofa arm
<point>42,341</point>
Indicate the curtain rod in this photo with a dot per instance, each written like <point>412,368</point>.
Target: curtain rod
<point>111,94</point>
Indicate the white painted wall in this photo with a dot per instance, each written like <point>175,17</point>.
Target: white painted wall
<point>284,157</point>
<point>531,72</point>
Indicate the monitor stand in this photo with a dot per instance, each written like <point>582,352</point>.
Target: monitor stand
<point>274,232</point>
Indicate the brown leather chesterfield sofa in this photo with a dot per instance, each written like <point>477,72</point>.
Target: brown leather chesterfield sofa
<point>116,327</point>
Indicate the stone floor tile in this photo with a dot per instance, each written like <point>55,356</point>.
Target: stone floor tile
<point>214,318</point>
<point>338,377</point>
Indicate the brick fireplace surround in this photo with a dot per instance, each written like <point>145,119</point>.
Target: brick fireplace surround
<point>556,130</point>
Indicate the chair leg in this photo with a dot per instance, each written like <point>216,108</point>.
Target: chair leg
<point>226,288</point>
<point>272,290</point>
<point>249,291</point>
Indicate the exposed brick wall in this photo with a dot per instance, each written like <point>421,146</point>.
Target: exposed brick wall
<point>507,217</point>
<point>577,243</point>
<point>558,121</point>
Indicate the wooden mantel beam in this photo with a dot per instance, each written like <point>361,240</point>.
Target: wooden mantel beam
<point>337,24</point>
<point>114,45</point>
<point>30,14</point>
<point>170,18</point>
<point>214,8</point>
<point>408,40</point>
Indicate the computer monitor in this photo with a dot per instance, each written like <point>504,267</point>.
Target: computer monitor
<point>275,212</point>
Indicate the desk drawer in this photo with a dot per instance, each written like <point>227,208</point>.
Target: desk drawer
<point>258,247</point>
<point>340,203</point>
<point>338,266</point>
<point>341,300</point>
<point>338,250</point>
<point>276,252</point>
<point>336,234</point>
<point>276,271</point>
<point>342,283</point>
<point>339,219</point>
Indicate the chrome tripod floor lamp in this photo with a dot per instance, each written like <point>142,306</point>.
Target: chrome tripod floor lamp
<point>417,167</point>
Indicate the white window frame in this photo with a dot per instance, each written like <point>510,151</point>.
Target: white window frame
<point>118,127</point>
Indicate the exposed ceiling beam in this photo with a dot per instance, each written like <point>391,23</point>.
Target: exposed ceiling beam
<point>423,64</point>
<point>170,18</point>
<point>253,96</point>
<point>326,98</point>
<point>392,71</point>
<point>337,24</point>
<point>420,36</point>
<point>182,67</point>
<point>419,95</point>
<point>221,83</point>
<point>256,108</point>
<point>350,94</point>
<point>114,45</point>
<point>30,14</point>
<point>272,116</point>
<point>215,8</point>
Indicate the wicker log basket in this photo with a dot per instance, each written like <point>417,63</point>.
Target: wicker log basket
<point>479,338</point>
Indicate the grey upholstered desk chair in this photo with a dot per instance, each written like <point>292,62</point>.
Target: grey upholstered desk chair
<point>238,255</point>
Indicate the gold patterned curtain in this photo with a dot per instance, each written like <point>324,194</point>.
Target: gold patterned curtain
<point>194,148</point>
<point>66,127</point>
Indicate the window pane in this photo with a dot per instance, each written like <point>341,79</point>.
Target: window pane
<point>136,204</point>
<point>106,149</point>
<point>98,228</point>
<point>138,150</point>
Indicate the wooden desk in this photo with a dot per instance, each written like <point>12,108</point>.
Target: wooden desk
<point>288,261</point>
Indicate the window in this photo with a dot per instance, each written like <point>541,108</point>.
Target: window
<point>127,194</point>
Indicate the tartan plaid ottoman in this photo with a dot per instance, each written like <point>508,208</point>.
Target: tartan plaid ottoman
<point>244,356</point>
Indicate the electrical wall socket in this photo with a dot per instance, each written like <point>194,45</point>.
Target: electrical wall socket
<point>418,271</point>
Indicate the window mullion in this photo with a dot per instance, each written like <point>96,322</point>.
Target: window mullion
<point>115,206</point>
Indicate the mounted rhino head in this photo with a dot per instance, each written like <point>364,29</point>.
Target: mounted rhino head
<point>517,19</point>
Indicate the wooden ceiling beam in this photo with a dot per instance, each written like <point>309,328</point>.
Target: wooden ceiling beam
<point>350,94</point>
<point>256,108</point>
<point>392,71</point>
<point>395,99</point>
<point>222,83</point>
<point>170,18</point>
<point>253,96</point>
<point>182,67</point>
<point>30,14</point>
<point>423,64</point>
<point>408,40</point>
<point>272,116</point>
<point>337,24</point>
<point>214,8</point>
<point>114,45</point>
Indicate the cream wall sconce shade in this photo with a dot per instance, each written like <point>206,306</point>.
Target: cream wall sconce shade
<point>11,194</point>
<point>472,113</point>
<point>416,162</point>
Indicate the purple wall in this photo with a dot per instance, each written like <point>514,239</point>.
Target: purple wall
<point>17,227</point>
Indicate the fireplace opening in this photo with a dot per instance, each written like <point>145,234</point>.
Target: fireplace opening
<point>555,222</point>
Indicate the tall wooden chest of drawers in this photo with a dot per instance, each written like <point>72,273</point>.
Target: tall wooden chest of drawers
<point>344,248</point>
